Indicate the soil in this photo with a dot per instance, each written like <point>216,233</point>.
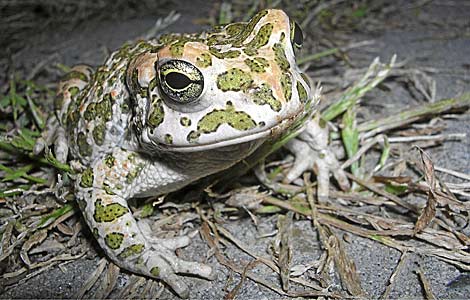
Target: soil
<point>433,35</point>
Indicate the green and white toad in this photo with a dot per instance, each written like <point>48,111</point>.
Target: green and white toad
<point>162,113</point>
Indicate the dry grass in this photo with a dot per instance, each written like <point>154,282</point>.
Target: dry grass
<point>398,200</point>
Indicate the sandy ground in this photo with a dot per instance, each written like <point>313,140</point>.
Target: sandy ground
<point>432,38</point>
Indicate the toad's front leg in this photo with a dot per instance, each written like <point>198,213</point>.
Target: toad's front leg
<point>311,150</point>
<point>117,231</point>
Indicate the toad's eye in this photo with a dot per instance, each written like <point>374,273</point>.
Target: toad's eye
<point>181,81</point>
<point>296,35</point>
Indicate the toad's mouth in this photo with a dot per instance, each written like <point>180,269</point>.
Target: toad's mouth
<point>265,134</point>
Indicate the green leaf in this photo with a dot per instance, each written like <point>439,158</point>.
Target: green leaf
<point>360,12</point>
<point>268,209</point>
<point>395,189</point>
<point>375,74</point>
<point>50,158</point>
<point>147,210</point>
<point>350,136</point>
<point>13,174</point>
<point>385,154</point>
<point>55,215</point>
<point>225,13</point>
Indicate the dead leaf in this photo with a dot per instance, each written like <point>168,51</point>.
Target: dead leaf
<point>429,211</point>
<point>285,247</point>
<point>37,238</point>
<point>426,285</point>
<point>49,246</point>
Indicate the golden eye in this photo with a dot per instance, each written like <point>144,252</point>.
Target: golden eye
<point>181,81</point>
<point>296,35</point>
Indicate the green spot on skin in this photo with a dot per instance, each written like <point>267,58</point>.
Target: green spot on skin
<point>96,233</point>
<point>236,119</point>
<point>108,189</point>
<point>153,83</point>
<point>258,64</point>
<point>73,91</point>
<point>134,173</point>
<point>111,80</point>
<point>286,85</point>
<point>234,80</point>
<point>262,36</point>
<point>193,136</point>
<point>155,271</point>
<point>101,75</point>
<point>264,95</point>
<point>125,107</point>
<point>104,108</point>
<point>303,96</point>
<point>86,180</point>
<point>177,48</point>
<point>185,121</point>
<point>224,55</point>
<point>142,46</point>
<point>114,240</point>
<point>59,101</point>
<point>131,157</point>
<point>109,212</point>
<point>98,133</point>
<point>168,139</point>
<point>135,85</point>
<point>280,57</point>
<point>109,160</point>
<point>204,61</point>
<point>234,28</point>
<point>123,52</point>
<point>157,113</point>
<point>74,75</point>
<point>250,51</point>
<point>168,38</point>
<point>131,251</point>
<point>240,38</point>
<point>73,115</point>
<point>90,112</point>
<point>214,39</point>
<point>83,147</point>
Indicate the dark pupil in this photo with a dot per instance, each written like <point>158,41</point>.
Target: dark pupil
<point>298,36</point>
<point>177,80</point>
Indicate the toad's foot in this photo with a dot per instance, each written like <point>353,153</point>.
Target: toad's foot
<point>162,254</point>
<point>129,247</point>
<point>160,261</point>
<point>311,150</point>
<point>53,134</point>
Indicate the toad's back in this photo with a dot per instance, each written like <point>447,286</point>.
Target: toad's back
<point>186,92</point>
